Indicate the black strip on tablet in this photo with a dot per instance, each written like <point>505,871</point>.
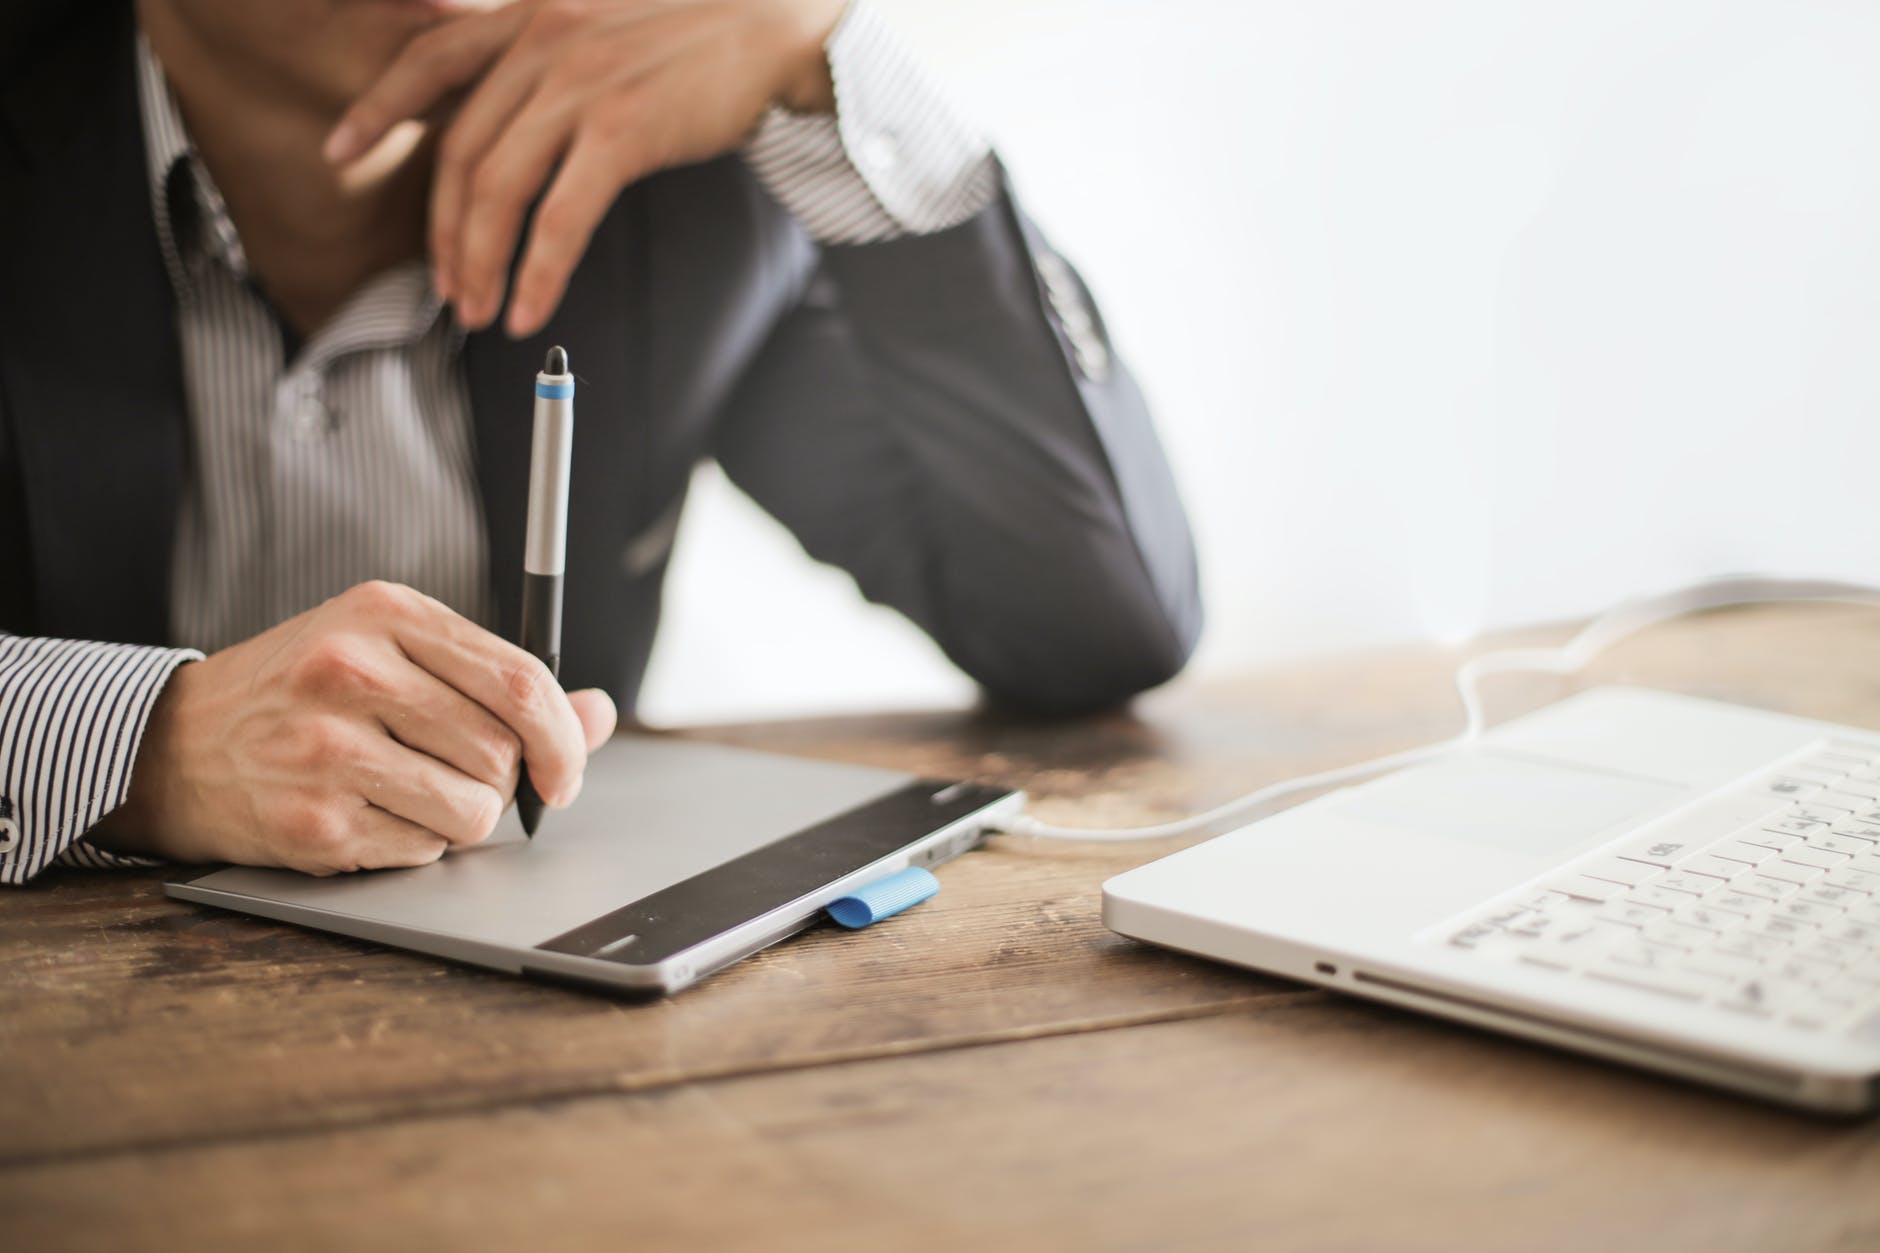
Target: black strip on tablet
<point>674,919</point>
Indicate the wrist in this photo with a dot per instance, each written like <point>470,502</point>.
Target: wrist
<point>136,826</point>
<point>806,84</point>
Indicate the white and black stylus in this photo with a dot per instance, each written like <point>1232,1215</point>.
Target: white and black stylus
<point>545,555</point>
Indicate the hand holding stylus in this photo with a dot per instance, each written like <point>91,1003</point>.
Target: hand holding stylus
<point>375,730</point>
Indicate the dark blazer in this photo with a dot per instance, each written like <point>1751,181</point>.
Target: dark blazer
<point>914,411</point>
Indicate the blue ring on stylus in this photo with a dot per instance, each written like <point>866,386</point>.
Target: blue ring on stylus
<point>554,391</point>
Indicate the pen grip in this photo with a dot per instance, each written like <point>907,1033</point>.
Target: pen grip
<point>541,618</point>
<point>541,635</point>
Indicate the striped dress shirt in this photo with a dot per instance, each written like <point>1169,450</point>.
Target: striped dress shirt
<point>317,465</point>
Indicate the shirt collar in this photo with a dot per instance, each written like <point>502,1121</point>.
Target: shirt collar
<point>193,226</point>
<point>192,219</point>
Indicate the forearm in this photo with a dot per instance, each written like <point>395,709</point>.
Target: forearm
<point>72,720</point>
<point>976,455</point>
<point>960,438</point>
<point>1063,564</point>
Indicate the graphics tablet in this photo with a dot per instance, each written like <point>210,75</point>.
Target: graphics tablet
<point>678,859</point>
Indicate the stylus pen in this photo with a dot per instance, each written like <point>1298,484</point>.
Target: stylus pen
<point>545,555</point>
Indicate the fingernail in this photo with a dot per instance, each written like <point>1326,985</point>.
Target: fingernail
<point>339,144</point>
<point>567,796</point>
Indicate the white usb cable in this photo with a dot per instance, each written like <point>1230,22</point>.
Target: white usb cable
<point>1626,618</point>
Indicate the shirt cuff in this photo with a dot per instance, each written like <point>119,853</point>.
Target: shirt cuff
<point>72,717</point>
<point>895,160</point>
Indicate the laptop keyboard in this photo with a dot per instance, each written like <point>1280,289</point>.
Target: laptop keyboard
<point>1763,900</point>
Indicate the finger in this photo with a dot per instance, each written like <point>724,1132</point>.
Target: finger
<point>434,63</point>
<point>604,159</point>
<point>496,195</point>
<point>425,791</point>
<point>429,716</point>
<point>468,141</point>
<point>595,708</point>
<point>384,840</point>
<point>505,680</point>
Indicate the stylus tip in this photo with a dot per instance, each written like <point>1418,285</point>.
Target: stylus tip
<point>557,361</point>
<point>528,808</point>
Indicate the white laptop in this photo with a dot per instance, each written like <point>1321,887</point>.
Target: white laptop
<point>1680,884</point>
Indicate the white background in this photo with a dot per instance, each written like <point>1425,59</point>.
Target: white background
<point>1453,314</point>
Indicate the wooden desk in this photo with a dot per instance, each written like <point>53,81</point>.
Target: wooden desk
<point>992,1070</point>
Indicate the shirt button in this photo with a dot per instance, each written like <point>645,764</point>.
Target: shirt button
<point>9,836</point>
<point>309,420</point>
<point>1057,279</point>
<point>878,153</point>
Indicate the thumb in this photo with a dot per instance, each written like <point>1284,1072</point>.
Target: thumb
<point>595,708</point>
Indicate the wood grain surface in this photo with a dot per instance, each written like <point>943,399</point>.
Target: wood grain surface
<point>993,1068</point>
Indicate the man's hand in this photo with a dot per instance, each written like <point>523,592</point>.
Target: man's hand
<point>583,97</point>
<point>376,730</point>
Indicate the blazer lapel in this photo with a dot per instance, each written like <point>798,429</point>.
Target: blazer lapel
<point>90,362</point>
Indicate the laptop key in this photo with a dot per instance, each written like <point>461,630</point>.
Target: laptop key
<point>1829,842</point>
<point>1475,936</point>
<point>1775,840</point>
<point>1663,898</point>
<point>1814,773</point>
<point>1811,912</point>
<point>1833,799</point>
<point>1854,994</point>
<point>1825,893</point>
<point>1763,996</point>
<point>1665,982</point>
<point>1840,757</point>
<point>1573,949</point>
<point>1789,869</point>
<point>1765,887</point>
<point>1796,969</point>
<point>1791,929</point>
<point>1679,936</point>
<point>1534,925</point>
<point>1658,850</point>
<point>1582,888</point>
<point>1858,880</point>
<point>1620,870</point>
<point>1729,900</point>
<point>1716,921</point>
<point>1746,851</point>
<point>1754,945</point>
<point>1863,934</point>
<point>1837,952</point>
<point>1723,965</point>
<point>1808,855</point>
<point>1633,915</point>
<point>1710,864</point>
<point>1694,884</point>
